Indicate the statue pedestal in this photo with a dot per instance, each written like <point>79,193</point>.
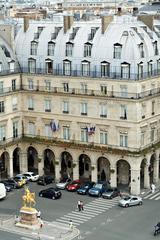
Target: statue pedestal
<point>28,218</point>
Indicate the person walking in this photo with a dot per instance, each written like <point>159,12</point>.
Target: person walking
<point>79,205</point>
<point>71,225</point>
<point>82,206</point>
<point>153,187</point>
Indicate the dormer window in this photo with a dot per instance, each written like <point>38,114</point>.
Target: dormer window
<point>34,46</point>
<point>117,51</point>
<point>51,47</point>
<point>105,69</point>
<point>141,50</point>
<point>87,49</point>
<point>158,66</point>
<point>85,68</point>
<point>125,70</point>
<point>31,65</point>
<point>11,66</point>
<point>155,48</point>
<point>140,70</point>
<point>69,49</point>
<point>67,67</point>
<point>150,68</point>
<point>0,67</point>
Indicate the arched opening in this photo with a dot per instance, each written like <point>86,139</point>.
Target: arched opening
<point>16,163</point>
<point>49,162</point>
<point>84,167</point>
<point>32,158</point>
<point>66,165</point>
<point>4,165</point>
<point>123,174</point>
<point>142,172</point>
<point>151,168</point>
<point>103,166</point>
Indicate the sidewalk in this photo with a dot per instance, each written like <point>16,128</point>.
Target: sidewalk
<point>49,231</point>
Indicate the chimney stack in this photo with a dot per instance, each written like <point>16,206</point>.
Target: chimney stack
<point>119,12</point>
<point>105,21</point>
<point>147,20</point>
<point>67,23</point>
<point>26,23</point>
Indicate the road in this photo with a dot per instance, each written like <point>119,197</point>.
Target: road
<point>101,219</point>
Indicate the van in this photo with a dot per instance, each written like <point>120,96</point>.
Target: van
<point>2,191</point>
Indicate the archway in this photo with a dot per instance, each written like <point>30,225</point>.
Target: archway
<point>49,162</point>
<point>103,166</point>
<point>32,158</point>
<point>4,164</point>
<point>142,172</point>
<point>123,173</point>
<point>84,167</point>
<point>66,165</point>
<point>16,163</point>
<point>151,167</point>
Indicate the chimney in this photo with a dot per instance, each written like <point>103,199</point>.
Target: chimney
<point>67,23</point>
<point>135,11</point>
<point>106,20</point>
<point>119,12</point>
<point>25,23</point>
<point>147,20</point>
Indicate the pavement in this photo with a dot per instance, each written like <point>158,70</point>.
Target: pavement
<point>49,231</point>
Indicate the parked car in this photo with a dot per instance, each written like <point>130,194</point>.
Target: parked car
<point>44,180</point>
<point>84,188</point>
<point>53,193</point>
<point>20,179</point>
<point>63,183</point>
<point>9,187</point>
<point>2,191</point>
<point>74,185</point>
<point>98,189</point>
<point>130,200</point>
<point>31,176</point>
<point>111,193</point>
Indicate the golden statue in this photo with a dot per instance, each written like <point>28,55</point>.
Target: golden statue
<point>28,199</point>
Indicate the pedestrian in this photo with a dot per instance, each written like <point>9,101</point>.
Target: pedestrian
<point>129,186</point>
<point>82,205</point>
<point>79,205</point>
<point>41,223</point>
<point>70,224</point>
<point>153,187</point>
<point>39,214</point>
<point>17,219</point>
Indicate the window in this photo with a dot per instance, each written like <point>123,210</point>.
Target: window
<point>66,133</point>
<point>85,68</point>
<point>65,107</point>
<point>158,66</point>
<point>31,128</point>
<point>2,133</point>
<point>47,105</point>
<point>11,65</point>
<point>47,85</point>
<point>30,103</point>
<point>152,134</point>
<point>83,87</point>
<point>87,50</point>
<point>105,69</point>
<point>2,108</point>
<point>142,138</point>
<point>84,135</point>
<point>125,70</point>
<point>51,48</point>
<point>117,51</point>
<point>67,68</point>
<point>14,103</point>
<point>48,132</point>
<point>143,110</point>
<point>103,138</point>
<point>124,91</point>
<point>140,70</point>
<point>15,129</point>
<point>123,112</point>
<point>30,84</point>
<point>13,84</point>
<point>150,68</point>
<point>123,140</point>
<point>155,48</point>
<point>66,87</point>
<point>34,46</point>
<point>0,67</point>
<point>69,49</point>
<point>32,66</point>
<point>1,86</point>
<point>153,107</point>
<point>141,51</point>
<point>83,108</point>
<point>104,89</point>
<point>103,110</point>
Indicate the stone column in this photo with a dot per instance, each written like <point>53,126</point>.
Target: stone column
<point>41,167</point>
<point>113,176</point>
<point>156,170</point>
<point>146,176</point>
<point>75,170</point>
<point>94,173</point>
<point>135,181</point>
<point>10,167</point>
<point>23,161</point>
<point>57,170</point>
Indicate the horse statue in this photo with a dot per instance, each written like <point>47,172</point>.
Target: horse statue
<point>28,198</point>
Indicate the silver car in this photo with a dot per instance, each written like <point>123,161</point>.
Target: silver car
<point>63,183</point>
<point>130,200</point>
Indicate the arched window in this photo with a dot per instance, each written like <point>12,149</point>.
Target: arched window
<point>150,68</point>
<point>140,70</point>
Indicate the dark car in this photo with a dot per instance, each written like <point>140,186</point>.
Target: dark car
<point>12,182</point>
<point>85,188</point>
<point>44,180</point>
<point>98,189</point>
<point>8,186</point>
<point>111,193</point>
<point>52,193</point>
<point>74,185</point>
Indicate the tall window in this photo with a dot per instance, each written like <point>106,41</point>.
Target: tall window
<point>124,91</point>
<point>47,105</point>
<point>123,112</point>
<point>83,87</point>
<point>158,66</point>
<point>48,132</point>
<point>85,68</point>
<point>65,107</point>
<point>67,68</point>
<point>15,129</point>
<point>2,133</point>
<point>0,66</point>
<point>142,138</point>
<point>31,129</point>
<point>30,103</point>
<point>83,108</point>
<point>2,108</point>
<point>141,50</point>
<point>13,84</point>
<point>34,46</point>
<point>1,87</point>
<point>143,112</point>
<point>32,65</point>
<point>14,103</point>
<point>105,69</point>
<point>30,84</point>
<point>104,89</point>
<point>69,49</point>
<point>152,134</point>
<point>84,135</point>
<point>117,51</point>
<point>87,49</point>
<point>103,110</point>
<point>51,47</point>
<point>66,87</point>
<point>153,107</point>
<point>47,85</point>
<point>103,138</point>
<point>66,133</point>
<point>150,68</point>
<point>12,66</point>
<point>125,70</point>
<point>155,48</point>
<point>123,140</point>
<point>140,70</point>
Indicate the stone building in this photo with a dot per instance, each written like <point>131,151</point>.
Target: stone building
<point>85,101</point>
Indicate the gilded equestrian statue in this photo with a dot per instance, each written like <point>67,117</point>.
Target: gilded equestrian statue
<point>28,198</point>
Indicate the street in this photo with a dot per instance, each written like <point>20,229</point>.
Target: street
<point>100,219</point>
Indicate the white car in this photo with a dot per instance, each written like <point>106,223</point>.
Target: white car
<point>31,176</point>
<point>130,200</point>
